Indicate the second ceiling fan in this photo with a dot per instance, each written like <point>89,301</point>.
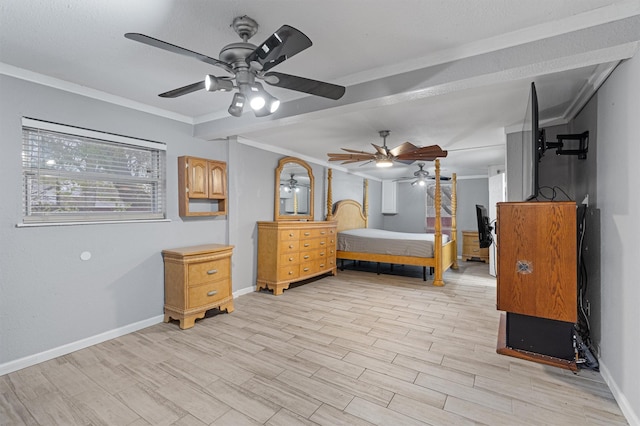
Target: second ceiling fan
<point>421,176</point>
<point>405,153</point>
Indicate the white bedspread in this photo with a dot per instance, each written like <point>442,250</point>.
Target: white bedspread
<point>367,240</point>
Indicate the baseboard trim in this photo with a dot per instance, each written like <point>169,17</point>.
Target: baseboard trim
<point>243,291</point>
<point>28,361</point>
<point>626,408</point>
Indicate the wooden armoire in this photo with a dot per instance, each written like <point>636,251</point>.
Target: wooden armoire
<point>537,280</point>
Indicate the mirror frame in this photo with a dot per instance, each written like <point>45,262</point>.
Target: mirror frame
<point>298,217</point>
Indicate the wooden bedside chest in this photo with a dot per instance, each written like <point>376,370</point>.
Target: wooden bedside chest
<point>471,247</point>
<point>196,279</point>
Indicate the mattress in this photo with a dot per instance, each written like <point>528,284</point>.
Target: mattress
<point>380,241</point>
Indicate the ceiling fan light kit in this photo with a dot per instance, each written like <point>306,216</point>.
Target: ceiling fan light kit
<point>247,62</point>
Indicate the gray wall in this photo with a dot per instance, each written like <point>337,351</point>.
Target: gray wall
<point>48,296</point>
<point>618,178</point>
<point>412,211</point>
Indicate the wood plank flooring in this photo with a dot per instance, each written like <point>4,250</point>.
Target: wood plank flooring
<point>355,349</point>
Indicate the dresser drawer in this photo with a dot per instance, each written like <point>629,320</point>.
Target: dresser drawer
<point>205,294</point>
<point>313,243</point>
<point>289,259</point>
<point>289,235</point>
<point>289,272</point>
<point>308,256</point>
<point>203,272</point>
<point>307,268</point>
<point>289,246</point>
<point>315,233</point>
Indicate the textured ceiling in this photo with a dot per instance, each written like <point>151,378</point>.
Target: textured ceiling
<point>433,72</point>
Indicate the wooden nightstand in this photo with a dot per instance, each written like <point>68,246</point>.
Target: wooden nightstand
<point>196,279</point>
<point>471,247</point>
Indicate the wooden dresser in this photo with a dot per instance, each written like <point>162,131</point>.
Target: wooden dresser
<point>293,251</point>
<point>196,279</point>
<point>471,247</point>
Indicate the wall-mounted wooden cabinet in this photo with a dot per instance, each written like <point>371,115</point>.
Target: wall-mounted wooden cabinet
<point>202,187</point>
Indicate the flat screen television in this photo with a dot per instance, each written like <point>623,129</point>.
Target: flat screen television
<point>484,229</point>
<point>532,147</point>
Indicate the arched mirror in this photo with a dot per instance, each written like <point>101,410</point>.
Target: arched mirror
<point>294,190</point>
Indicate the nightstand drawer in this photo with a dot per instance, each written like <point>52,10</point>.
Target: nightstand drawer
<point>200,273</point>
<point>207,293</point>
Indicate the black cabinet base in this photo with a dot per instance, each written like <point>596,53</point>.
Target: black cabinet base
<point>540,335</point>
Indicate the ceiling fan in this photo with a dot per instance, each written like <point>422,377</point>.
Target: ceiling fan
<point>421,176</point>
<point>405,153</point>
<point>247,63</point>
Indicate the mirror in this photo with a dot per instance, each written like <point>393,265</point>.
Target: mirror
<point>294,190</point>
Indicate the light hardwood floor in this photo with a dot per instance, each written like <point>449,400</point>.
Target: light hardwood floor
<point>355,349</point>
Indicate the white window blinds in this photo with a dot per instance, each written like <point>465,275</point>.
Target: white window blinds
<point>78,175</point>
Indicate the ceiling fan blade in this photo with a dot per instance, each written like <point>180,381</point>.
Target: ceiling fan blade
<point>381,150</point>
<point>355,151</point>
<point>305,85</point>
<point>183,90</point>
<point>403,148</point>
<point>427,153</point>
<point>179,50</point>
<point>280,46</point>
<point>350,157</point>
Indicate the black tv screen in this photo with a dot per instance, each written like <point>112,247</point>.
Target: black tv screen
<point>484,229</point>
<point>531,147</point>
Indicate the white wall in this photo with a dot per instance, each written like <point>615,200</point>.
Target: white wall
<point>618,133</point>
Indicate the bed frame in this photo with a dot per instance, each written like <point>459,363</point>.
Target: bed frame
<point>350,214</point>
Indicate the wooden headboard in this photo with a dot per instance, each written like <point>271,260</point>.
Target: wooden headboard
<point>349,215</point>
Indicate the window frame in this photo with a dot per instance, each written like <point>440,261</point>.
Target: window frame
<point>35,173</point>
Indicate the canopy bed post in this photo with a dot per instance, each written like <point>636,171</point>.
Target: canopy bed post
<point>329,195</point>
<point>366,203</point>
<point>437,240</point>
<point>454,225</point>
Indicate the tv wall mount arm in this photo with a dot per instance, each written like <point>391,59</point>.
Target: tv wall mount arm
<point>581,149</point>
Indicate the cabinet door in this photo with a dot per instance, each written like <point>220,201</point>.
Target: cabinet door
<point>537,269</point>
<point>217,180</point>
<point>197,182</point>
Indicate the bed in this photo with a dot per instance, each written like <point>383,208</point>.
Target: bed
<point>358,242</point>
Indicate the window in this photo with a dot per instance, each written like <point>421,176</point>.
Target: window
<point>75,175</point>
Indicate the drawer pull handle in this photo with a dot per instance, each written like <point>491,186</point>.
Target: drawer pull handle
<point>212,271</point>
<point>306,269</point>
<point>291,246</point>
<point>290,272</point>
<point>322,232</point>
<point>212,293</point>
<point>291,234</point>
<point>322,243</point>
<point>291,259</point>
<point>322,265</point>
<point>306,257</point>
<point>321,253</point>
<point>306,244</point>
<point>306,234</point>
